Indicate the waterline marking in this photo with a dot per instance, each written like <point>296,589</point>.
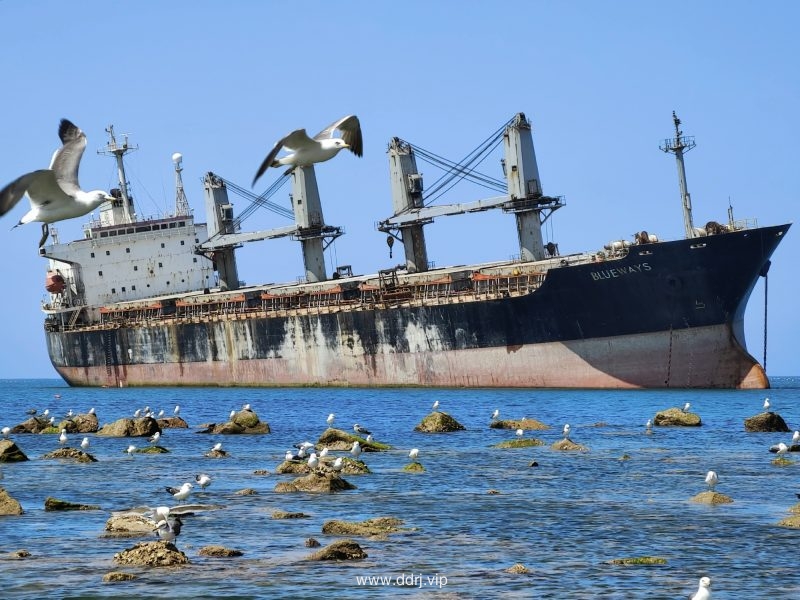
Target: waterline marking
<point>403,579</point>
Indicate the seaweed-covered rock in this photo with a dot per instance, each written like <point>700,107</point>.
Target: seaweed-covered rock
<point>339,550</point>
<point>639,560</point>
<point>82,423</point>
<point>524,423</point>
<point>312,543</point>
<point>519,443</point>
<point>71,454</point>
<point>282,514</point>
<point>316,483</point>
<point>242,422</point>
<point>376,526</point>
<point>414,467</point>
<point>10,452</point>
<point>219,551</point>
<point>336,439</point>
<point>676,417</point>
<point>792,522</point>
<point>36,424</point>
<point>518,569</point>
<point>709,497</point>
<point>172,423</point>
<point>130,427</point>
<point>151,554</point>
<point>439,422</point>
<point>766,421</point>
<point>53,504</point>
<point>9,505</point>
<point>116,576</point>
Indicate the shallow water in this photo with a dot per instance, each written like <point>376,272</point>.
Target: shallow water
<point>564,520</point>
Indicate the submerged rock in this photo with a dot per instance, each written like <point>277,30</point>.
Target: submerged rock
<point>568,446</point>
<point>115,576</point>
<point>766,421</point>
<point>129,524</point>
<point>282,514</point>
<point>339,550</point>
<point>439,422</point>
<point>9,505</point>
<point>71,454</point>
<point>219,551</point>
<point>152,554</point>
<point>414,467</point>
<point>639,560</point>
<point>519,443</point>
<point>53,504</point>
<point>130,427</point>
<point>676,417</point>
<point>10,452</point>
<point>376,526</point>
<point>524,423</point>
<point>518,569</point>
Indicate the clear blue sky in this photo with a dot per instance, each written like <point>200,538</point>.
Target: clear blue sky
<point>221,82</point>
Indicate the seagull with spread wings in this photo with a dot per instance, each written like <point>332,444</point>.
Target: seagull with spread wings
<point>54,193</point>
<point>305,151</point>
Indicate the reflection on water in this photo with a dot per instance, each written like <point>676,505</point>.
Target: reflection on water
<point>564,520</point>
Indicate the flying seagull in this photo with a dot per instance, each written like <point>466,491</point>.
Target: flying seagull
<point>54,193</point>
<point>305,151</point>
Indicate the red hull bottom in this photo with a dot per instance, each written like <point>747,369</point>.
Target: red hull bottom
<point>696,358</point>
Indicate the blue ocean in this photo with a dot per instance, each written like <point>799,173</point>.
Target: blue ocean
<point>565,520</point>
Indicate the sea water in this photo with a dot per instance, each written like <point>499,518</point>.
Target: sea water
<point>629,495</point>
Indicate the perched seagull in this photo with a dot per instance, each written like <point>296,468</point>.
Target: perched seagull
<point>313,461</point>
<point>766,404</point>
<point>85,443</point>
<point>795,438</point>
<point>330,419</point>
<point>289,456</point>
<point>137,413</point>
<point>703,590</point>
<point>62,439</point>
<point>338,464</point>
<point>306,151</point>
<point>495,414</point>
<point>436,405</point>
<point>369,438</point>
<point>177,410</point>
<point>217,447</point>
<point>161,413</point>
<point>649,426</point>
<point>155,437</point>
<point>323,452</point>
<point>131,449</point>
<point>362,430</point>
<point>520,433</point>
<point>5,431</point>
<point>168,529</point>
<point>711,480</point>
<point>566,431</point>
<point>356,449</point>
<point>54,193</point>
<point>247,407</point>
<point>91,411</point>
<point>182,493</point>
<point>782,449</point>
<point>686,407</point>
<point>230,416</point>
<point>413,454</point>
<point>203,480</point>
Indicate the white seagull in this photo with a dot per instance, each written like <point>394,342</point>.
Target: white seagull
<point>413,454</point>
<point>795,437</point>
<point>338,464</point>
<point>62,439</point>
<point>217,447</point>
<point>686,407</point>
<point>356,449</point>
<point>782,450</point>
<point>495,414</point>
<point>131,449</point>
<point>703,590</point>
<point>155,437</point>
<point>313,461</point>
<point>203,480</point>
<point>85,443</point>
<point>711,480</point>
<point>566,431</point>
<point>54,193</point>
<point>177,410</point>
<point>436,405</point>
<point>330,419</point>
<point>182,493</point>
<point>520,433</point>
<point>305,151</point>
<point>649,426</point>
<point>766,404</point>
<point>6,431</point>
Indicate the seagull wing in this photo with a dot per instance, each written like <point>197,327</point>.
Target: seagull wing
<point>67,159</point>
<point>351,133</point>
<point>297,139</point>
<point>41,186</point>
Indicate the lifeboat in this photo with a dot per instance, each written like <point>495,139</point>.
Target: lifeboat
<point>54,282</point>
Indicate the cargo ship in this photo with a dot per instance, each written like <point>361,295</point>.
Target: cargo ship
<point>158,301</point>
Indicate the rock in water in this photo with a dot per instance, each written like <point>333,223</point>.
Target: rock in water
<point>439,422</point>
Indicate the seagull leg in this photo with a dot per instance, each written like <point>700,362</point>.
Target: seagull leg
<point>45,233</point>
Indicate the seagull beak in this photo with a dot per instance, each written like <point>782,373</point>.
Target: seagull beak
<point>345,145</point>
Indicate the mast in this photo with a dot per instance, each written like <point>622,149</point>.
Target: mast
<point>181,202</point>
<point>117,151</point>
<point>678,145</point>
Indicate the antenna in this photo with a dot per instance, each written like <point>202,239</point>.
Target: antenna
<point>678,145</point>
<point>117,151</point>
<point>181,202</point>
